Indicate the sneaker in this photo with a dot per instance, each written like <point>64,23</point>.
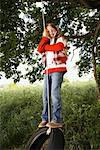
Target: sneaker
<point>42,124</point>
<point>54,124</point>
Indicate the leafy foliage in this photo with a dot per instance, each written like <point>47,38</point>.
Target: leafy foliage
<point>21,30</point>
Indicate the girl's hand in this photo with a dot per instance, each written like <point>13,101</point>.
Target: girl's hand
<point>46,33</point>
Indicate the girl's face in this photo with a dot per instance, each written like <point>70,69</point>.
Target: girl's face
<point>52,31</point>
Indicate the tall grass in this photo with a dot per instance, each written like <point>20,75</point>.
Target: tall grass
<point>20,111</point>
<point>81,112</point>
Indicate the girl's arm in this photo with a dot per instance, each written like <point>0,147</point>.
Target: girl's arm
<point>60,44</point>
<point>54,47</point>
<point>44,41</point>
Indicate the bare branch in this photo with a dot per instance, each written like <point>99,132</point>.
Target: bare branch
<point>73,53</point>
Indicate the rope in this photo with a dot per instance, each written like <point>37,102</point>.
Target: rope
<point>48,87</point>
<point>43,15</point>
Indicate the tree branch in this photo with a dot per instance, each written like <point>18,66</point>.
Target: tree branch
<point>84,3</point>
<point>93,55</point>
<point>96,32</point>
<point>73,53</point>
<point>80,36</point>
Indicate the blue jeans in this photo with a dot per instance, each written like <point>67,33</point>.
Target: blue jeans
<point>54,80</point>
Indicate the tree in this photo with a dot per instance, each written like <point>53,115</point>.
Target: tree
<point>19,38</point>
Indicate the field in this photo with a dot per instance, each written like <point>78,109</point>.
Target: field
<point>20,111</point>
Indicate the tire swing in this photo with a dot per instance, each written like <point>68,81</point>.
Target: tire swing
<point>41,140</point>
<point>38,140</point>
<point>46,138</point>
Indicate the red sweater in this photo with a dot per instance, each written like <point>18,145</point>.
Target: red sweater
<point>58,63</point>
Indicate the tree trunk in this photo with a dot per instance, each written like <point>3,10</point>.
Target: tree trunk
<point>95,65</point>
<point>96,73</point>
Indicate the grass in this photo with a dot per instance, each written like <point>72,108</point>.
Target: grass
<point>20,110</point>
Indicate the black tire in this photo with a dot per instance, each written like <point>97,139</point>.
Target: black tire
<point>37,140</point>
<point>41,141</point>
<point>56,140</point>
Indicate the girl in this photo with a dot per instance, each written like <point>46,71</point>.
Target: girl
<point>53,48</point>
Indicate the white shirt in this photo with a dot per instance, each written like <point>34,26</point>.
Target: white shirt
<point>50,54</point>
